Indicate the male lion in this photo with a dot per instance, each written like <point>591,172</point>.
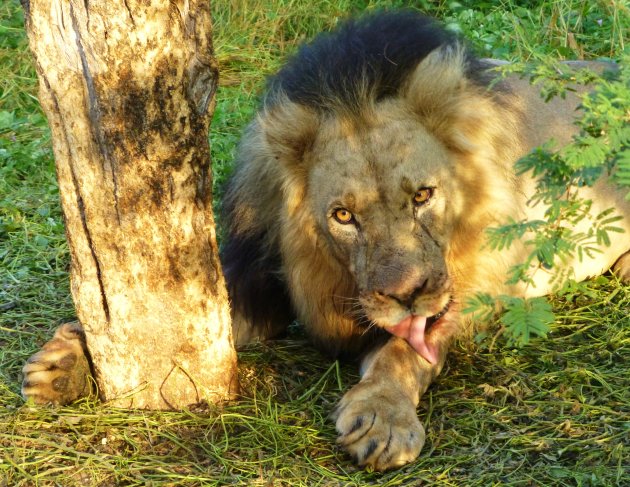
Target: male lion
<point>359,206</point>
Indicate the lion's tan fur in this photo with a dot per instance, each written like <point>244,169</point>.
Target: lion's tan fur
<point>442,131</point>
<point>484,132</point>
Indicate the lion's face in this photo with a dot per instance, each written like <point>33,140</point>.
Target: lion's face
<point>382,196</point>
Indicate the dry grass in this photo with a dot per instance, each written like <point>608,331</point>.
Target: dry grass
<point>554,413</point>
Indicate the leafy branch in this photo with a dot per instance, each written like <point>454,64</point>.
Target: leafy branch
<point>600,148</point>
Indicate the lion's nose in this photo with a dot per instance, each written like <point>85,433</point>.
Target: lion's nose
<point>405,297</point>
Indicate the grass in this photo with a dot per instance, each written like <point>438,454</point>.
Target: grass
<point>554,413</point>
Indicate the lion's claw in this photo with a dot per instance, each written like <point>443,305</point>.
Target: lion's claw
<point>377,429</point>
<point>59,372</point>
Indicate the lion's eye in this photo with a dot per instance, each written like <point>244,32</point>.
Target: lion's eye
<point>422,196</point>
<point>343,216</point>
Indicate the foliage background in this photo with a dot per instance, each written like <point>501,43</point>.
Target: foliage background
<point>554,413</point>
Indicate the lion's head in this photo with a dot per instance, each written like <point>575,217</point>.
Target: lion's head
<point>391,190</point>
<point>380,193</point>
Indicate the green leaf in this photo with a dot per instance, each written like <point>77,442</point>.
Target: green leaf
<point>526,318</point>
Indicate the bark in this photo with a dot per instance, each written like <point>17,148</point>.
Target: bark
<point>128,88</point>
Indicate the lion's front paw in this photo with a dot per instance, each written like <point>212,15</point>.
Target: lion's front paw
<point>378,427</point>
<point>59,372</point>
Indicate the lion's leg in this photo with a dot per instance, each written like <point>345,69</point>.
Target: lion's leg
<point>622,268</point>
<point>60,372</point>
<point>377,420</point>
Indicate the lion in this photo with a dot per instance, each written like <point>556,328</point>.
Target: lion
<point>359,205</point>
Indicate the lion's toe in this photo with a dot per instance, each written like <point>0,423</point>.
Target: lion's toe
<point>59,372</point>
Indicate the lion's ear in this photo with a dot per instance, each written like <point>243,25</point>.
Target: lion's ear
<point>449,104</point>
<point>289,130</point>
<point>437,81</point>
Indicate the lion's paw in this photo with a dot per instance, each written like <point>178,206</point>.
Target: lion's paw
<point>378,427</point>
<point>60,372</point>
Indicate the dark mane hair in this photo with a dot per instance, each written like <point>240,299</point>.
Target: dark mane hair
<point>361,61</point>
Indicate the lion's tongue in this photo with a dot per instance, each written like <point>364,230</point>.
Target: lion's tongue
<point>412,330</point>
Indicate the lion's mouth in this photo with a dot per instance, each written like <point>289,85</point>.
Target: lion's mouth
<point>414,329</point>
<point>432,320</point>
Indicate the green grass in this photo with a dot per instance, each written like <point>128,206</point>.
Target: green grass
<point>554,413</point>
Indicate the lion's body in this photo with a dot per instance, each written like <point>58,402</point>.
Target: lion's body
<point>323,224</point>
<point>360,203</point>
<point>451,128</point>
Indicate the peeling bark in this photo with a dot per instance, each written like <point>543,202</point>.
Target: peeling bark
<point>128,88</point>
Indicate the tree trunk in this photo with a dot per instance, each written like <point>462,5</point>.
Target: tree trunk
<point>128,88</point>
